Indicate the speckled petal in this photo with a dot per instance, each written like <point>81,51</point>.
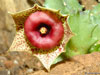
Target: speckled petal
<point>19,42</point>
<point>48,59</point>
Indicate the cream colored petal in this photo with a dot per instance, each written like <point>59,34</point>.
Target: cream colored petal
<point>19,43</point>
<point>48,59</point>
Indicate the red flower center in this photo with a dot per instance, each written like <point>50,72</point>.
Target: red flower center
<point>43,30</point>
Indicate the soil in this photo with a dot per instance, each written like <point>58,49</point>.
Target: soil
<point>17,63</point>
<point>78,65</point>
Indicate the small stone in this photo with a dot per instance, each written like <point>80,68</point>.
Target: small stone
<point>2,59</point>
<point>29,70</point>
<point>15,62</point>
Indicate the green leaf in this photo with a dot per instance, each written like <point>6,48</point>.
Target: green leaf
<point>95,16</point>
<point>82,27</point>
<point>96,20</point>
<point>56,4</point>
<point>65,6</point>
<point>95,48</point>
<point>73,6</point>
<point>86,27</point>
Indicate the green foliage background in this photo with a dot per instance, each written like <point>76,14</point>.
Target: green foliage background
<point>84,24</point>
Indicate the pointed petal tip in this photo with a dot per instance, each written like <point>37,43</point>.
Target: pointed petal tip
<point>48,59</point>
<point>10,13</point>
<point>36,5</point>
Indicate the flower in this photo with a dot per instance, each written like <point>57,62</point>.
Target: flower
<point>42,32</point>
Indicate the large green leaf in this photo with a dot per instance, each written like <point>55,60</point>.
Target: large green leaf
<point>86,26</point>
<point>82,27</point>
<point>65,6</point>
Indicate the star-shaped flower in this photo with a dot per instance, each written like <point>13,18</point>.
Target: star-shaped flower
<point>41,32</point>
